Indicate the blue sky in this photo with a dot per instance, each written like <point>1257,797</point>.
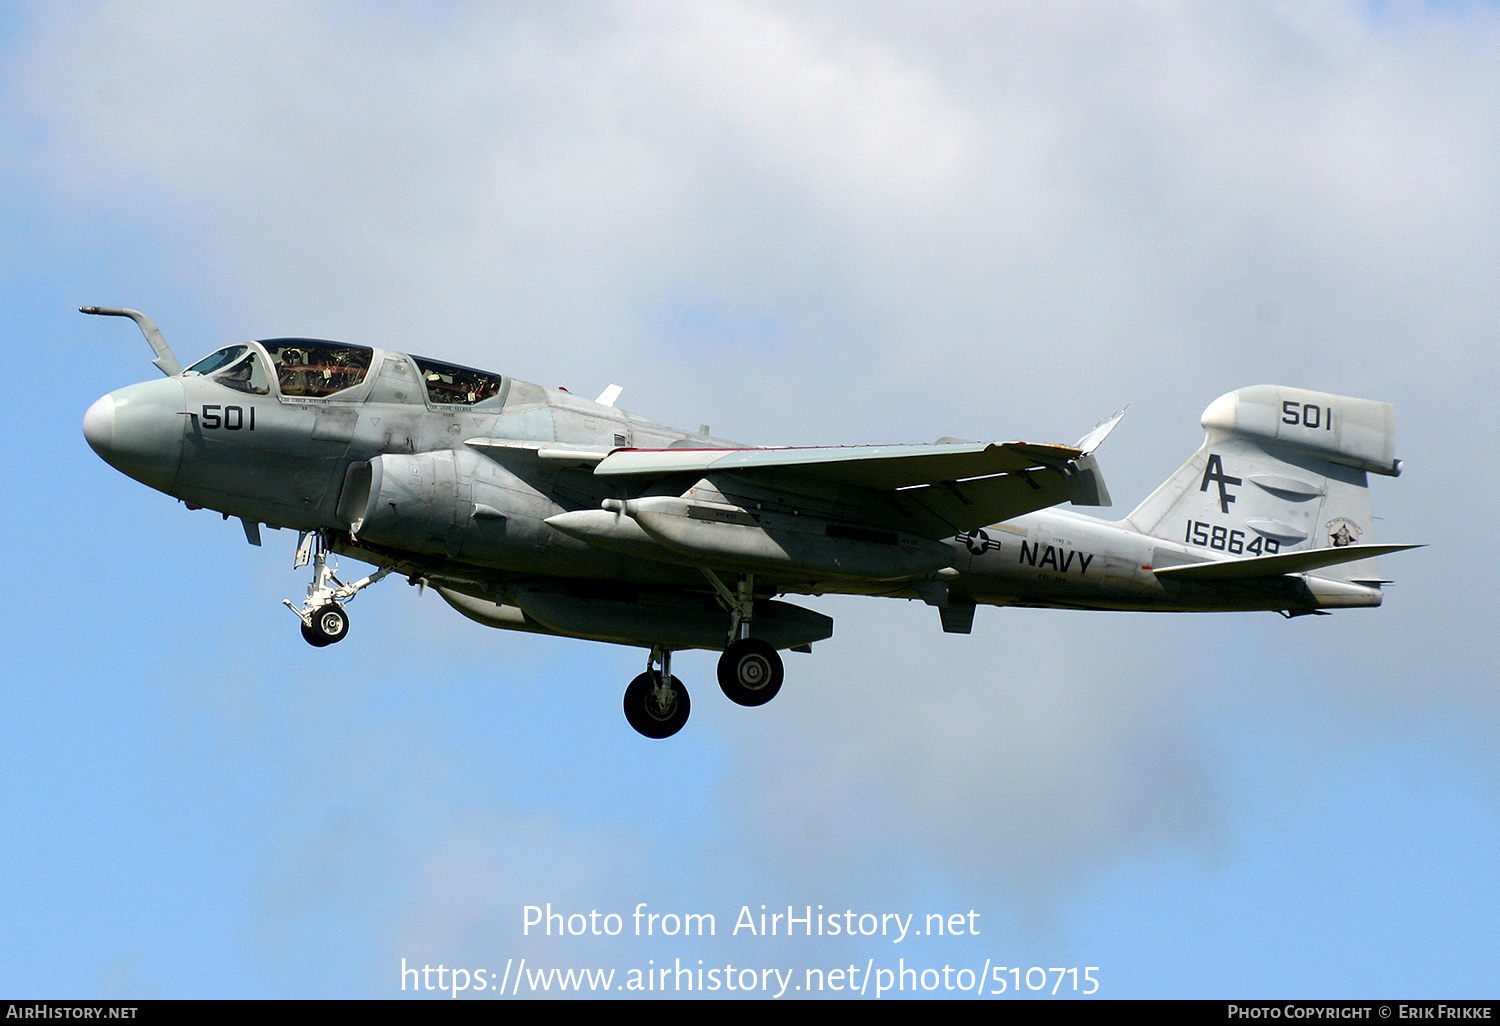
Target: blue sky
<point>842,223</point>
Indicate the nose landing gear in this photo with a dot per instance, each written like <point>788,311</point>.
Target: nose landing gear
<point>323,618</point>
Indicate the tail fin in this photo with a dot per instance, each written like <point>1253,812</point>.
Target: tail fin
<point>1281,470</point>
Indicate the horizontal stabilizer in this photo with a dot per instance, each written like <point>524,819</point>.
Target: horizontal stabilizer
<point>1275,566</point>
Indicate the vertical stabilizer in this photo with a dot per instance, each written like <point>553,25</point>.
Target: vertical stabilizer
<point>1280,470</point>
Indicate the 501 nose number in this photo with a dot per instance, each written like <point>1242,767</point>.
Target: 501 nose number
<point>230,418</point>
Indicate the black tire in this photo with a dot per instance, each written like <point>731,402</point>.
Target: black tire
<point>313,638</point>
<point>750,672</point>
<point>644,711</point>
<point>330,623</point>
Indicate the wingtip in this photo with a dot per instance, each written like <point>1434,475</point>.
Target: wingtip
<point>1095,438</point>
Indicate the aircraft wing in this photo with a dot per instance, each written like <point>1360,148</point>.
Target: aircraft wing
<point>1275,566</point>
<point>881,467</point>
<point>935,491</point>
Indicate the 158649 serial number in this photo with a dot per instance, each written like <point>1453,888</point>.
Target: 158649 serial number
<point>1225,539</point>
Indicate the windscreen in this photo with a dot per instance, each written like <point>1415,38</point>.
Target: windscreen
<point>235,367</point>
<point>245,374</point>
<point>214,361</point>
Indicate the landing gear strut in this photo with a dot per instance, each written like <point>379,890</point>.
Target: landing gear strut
<point>656,703</point>
<point>750,670</point>
<point>323,618</point>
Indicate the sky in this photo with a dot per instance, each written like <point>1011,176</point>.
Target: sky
<point>829,223</point>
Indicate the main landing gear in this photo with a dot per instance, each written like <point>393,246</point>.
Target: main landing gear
<point>750,670</point>
<point>323,618</point>
<point>656,703</point>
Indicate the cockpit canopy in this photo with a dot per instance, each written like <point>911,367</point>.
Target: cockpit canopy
<point>451,385</point>
<point>313,368</point>
<point>304,367</point>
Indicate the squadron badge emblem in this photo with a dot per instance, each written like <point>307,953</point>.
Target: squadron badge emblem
<point>1343,531</point>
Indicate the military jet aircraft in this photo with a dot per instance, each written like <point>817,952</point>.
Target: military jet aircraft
<point>532,509</point>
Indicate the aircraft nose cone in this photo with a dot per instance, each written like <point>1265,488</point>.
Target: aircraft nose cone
<point>138,430</point>
<point>99,425</point>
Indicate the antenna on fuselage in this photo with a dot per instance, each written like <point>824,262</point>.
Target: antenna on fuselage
<point>166,361</point>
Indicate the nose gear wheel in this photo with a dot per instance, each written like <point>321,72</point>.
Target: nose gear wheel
<point>323,618</point>
<point>329,624</point>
